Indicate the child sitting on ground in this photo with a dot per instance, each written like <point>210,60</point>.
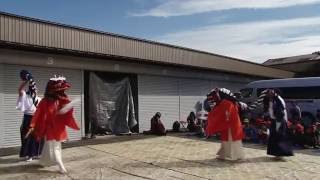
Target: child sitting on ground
<point>250,131</point>
<point>263,134</point>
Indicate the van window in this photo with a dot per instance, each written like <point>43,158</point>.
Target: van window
<point>246,93</point>
<point>311,92</point>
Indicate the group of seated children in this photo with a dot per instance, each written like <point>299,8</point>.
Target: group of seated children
<point>256,131</point>
<point>303,132</point>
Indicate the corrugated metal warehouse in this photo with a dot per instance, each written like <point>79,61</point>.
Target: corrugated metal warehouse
<point>166,78</point>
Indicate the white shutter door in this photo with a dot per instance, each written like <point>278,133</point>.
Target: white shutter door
<point>157,94</point>
<point>192,94</point>
<point>12,118</point>
<point>1,104</point>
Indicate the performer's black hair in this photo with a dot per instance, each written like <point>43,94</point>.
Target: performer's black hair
<point>26,75</point>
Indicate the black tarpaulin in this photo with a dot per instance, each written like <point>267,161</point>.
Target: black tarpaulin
<point>111,104</point>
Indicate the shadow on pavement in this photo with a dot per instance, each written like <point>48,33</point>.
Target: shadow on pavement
<point>26,168</point>
<point>212,163</point>
<point>108,139</point>
<point>9,160</point>
<point>313,152</point>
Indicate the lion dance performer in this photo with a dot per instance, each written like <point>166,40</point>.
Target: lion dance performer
<point>224,119</point>
<point>27,103</point>
<point>53,114</point>
<point>279,144</point>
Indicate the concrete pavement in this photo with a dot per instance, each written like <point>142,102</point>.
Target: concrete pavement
<point>168,157</point>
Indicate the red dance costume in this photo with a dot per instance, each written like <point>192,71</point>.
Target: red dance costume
<point>222,117</point>
<point>49,124</point>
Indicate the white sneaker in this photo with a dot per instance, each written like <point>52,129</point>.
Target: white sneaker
<point>29,159</point>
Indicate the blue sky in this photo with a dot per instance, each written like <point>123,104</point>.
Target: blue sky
<point>253,30</point>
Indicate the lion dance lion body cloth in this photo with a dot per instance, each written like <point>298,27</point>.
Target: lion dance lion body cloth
<point>49,122</point>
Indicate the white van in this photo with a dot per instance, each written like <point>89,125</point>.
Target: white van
<point>304,92</point>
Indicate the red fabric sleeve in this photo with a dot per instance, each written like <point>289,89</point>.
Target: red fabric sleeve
<point>38,121</point>
<point>47,123</point>
<point>69,120</point>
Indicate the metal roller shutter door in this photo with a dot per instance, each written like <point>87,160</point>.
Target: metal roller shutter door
<point>1,105</point>
<point>12,118</point>
<point>175,98</point>
<point>158,94</point>
<point>192,92</point>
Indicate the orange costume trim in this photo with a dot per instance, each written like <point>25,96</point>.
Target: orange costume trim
<point>49,124</point>
<point>222,117</point>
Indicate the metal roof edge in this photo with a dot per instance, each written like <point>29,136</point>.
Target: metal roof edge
<point>124,36</point>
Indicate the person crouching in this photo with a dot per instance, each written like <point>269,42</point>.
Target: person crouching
<point>157,128</point>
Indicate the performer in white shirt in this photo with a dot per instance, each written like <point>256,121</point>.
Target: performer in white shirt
<point>27,103</point>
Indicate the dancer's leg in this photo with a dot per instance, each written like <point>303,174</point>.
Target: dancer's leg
<point>58,156</point>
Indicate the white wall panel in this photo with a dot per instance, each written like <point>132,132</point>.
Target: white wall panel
<point>157,94</point>
<point>192,94</point>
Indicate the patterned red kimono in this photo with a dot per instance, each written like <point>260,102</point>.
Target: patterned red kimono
<point>49,124</point>
<point>218,123</point>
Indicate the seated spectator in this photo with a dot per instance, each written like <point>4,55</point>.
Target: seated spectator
<point>191,122</point>
<point>260,121</point>
<point>194,124</point>
<point>263,120</point>
<point>310,130</point>
<point>250,131</point>
<point>246,130</point>
<point>263,134</point>
<point>296,132</point>
<point>295,128</point>
<point>312,136</point>
<point>176,126</point>
<point>157,128</point>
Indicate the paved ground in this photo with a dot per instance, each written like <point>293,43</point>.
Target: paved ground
<point>169,157</point>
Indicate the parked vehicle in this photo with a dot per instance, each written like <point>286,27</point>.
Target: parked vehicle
<point>304,92</point>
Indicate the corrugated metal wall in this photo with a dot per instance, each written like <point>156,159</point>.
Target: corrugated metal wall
<point>157,94</point>
<point>49,35</point>
<point>1,105</point>
<point>12,118</point>
<point>175,98</point>
<point>192,94</point>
